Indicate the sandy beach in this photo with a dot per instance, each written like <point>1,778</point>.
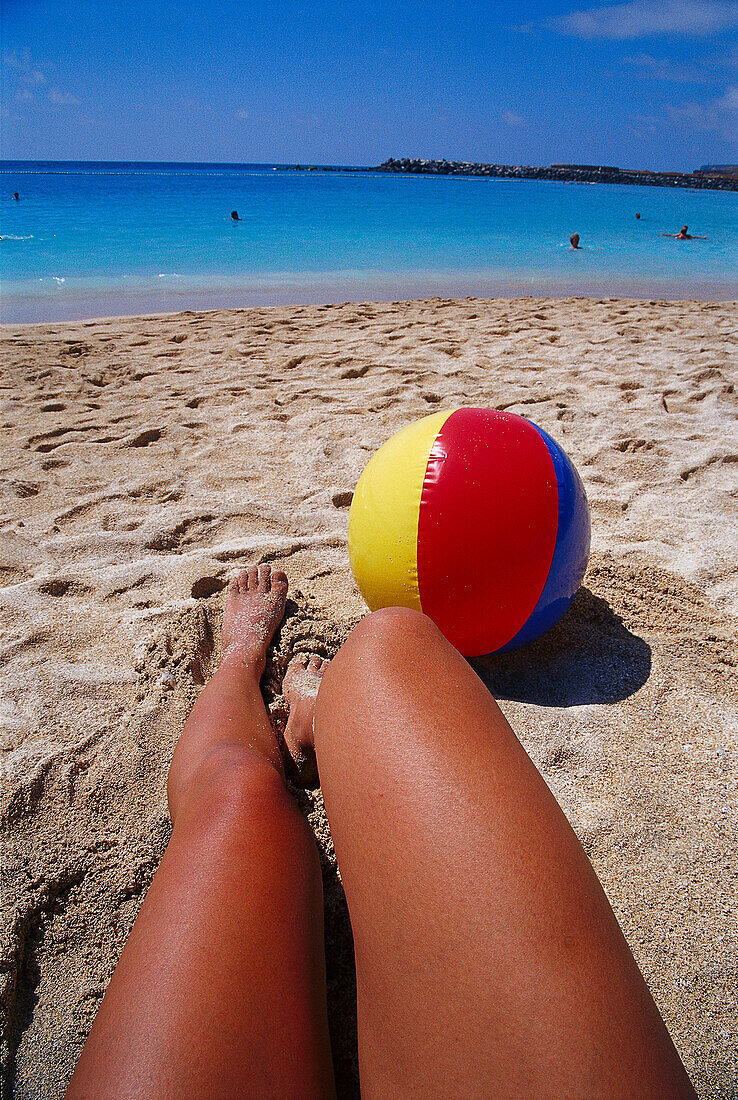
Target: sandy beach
<point>144,459</point>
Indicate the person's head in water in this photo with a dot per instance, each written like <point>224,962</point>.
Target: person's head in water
<point>574,240</point>
<point>16,196</point>
<point>683,231</point>
<point>234,215</point>
<point>638,217</point>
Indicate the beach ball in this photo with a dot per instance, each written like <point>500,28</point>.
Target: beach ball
<point>476,518</point>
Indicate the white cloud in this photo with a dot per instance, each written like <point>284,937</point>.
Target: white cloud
<point>62,99</point>
<point>29,81</point>
<point>23,65</point>
<point>707,69</point>
<point>662,68</point>
<point>728,102</point>
<point>510,118</point>
<point>719,116</point>
<point>639,18</point>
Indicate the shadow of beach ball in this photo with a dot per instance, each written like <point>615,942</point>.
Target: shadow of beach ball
<point>476,518</point>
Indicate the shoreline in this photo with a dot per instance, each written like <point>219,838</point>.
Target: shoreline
<point>525,301</point>
<point>46,310</point>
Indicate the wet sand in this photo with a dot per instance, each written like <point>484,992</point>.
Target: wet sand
<point>144,459</point>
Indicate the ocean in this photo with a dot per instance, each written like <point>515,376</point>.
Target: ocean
<point>104,239</point>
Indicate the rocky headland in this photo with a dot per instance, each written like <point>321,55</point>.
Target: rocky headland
<point>566,173</point>
<point>701,179</point>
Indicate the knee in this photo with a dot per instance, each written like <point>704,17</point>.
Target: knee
<point>232,786</point>
<point>237,811</point>
<point>392,629</point>
<point>382,642</point>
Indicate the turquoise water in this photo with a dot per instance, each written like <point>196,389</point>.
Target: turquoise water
<point>90,240</point>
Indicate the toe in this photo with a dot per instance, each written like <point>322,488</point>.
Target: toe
<point>253,578</point>
<point>239,582</point>
<point>265,578</point>
<point>279,581</point>
<point>316,663</point>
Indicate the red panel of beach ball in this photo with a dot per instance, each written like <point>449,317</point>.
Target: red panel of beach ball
<point>477,518</point>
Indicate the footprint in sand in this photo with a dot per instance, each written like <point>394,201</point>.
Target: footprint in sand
<point>63,586</point>
<point>144,439</point>
<point>16,488</point>
<point>356,372</point>
<point>710,467</point>
<point>205,587</point>
<point>632,446</point>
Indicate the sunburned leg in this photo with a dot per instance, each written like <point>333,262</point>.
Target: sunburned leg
<point>220,990</point>
<point>489,962</point>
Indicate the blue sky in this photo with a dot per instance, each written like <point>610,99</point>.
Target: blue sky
<point>644,84</point>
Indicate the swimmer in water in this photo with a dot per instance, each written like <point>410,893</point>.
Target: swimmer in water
<point>16,196</point>
<point>575,240</point>
<point>234,215</point>
<point>683,235</point>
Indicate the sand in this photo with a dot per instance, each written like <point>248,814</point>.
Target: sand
<point>144,459</point>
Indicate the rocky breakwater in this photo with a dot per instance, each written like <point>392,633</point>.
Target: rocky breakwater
<point>566,173</point>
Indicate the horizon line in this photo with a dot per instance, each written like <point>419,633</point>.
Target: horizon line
<point>326,164</point>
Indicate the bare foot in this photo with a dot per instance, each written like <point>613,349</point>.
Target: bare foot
<point>254,609</point>
<point>300,688</point>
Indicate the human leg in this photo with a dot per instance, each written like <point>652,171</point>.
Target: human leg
<point>220,990</point>
<point>489,962</point>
